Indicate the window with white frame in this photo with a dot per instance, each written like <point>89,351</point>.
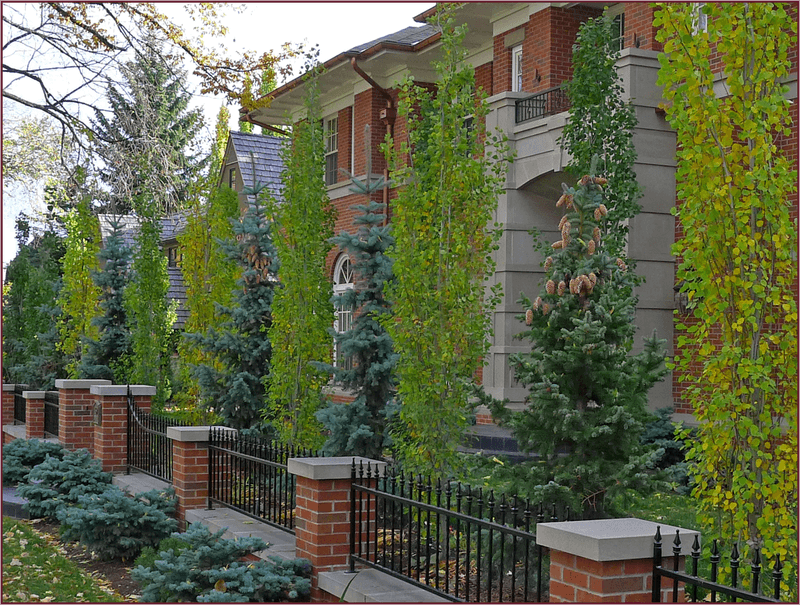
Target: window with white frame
<point>342,282</point>
<point>616,12</point>
<point>516,69</point>
<point>331,150</point>
<point>699,19</point>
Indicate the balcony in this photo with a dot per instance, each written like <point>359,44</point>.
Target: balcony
<point>540,105</point>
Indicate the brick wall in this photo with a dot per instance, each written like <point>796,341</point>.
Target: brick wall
<point>483,78</point>
<point>639,27</point>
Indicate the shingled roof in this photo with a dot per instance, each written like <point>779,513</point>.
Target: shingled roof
<point>265,157</point>
<point>409,36</point>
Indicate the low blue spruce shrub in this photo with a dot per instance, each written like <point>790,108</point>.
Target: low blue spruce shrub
<point>117,526</point>
<point>209,570</point>
<point>58,482</point>
<point>21,455</point>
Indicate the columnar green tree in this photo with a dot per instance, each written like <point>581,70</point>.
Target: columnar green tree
<point>366,370</point>
<point>150,314</point>
<point>108,356</point>
<point>302,312</point>
<point>80,296</point>
<point>234,384</point>
<point>30,314</point>
<point>601,124</point>
<point>222,131</point>
<point>737,352</point>
<point>588,394</point>
<point>444,238</point>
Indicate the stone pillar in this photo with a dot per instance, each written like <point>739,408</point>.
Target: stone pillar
<point>34,414</point>
<point>608,560</point>
<point>189,467</point>
<point>111,411</point>
<point>75,413</point>
<point>322,513</point>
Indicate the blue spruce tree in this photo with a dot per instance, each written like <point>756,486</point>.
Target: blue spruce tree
<point>359,428</point>
<point>234,387</point>
<point>587,392</point>
<point>108,357</point>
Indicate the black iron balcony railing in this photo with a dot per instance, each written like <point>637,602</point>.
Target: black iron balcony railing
<point>542,104</point>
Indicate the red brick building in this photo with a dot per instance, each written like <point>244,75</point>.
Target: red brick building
<point>521,53</point>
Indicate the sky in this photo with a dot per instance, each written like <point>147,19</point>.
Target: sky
<point>335,27</point>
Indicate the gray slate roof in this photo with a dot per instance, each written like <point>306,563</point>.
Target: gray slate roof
<point>409,36</point>
<point>265,156</point>
<point>171,227</point>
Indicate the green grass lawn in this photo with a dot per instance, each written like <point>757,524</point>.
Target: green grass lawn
<point>35,570</point>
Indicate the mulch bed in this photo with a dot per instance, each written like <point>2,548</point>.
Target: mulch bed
<point>115,573</point>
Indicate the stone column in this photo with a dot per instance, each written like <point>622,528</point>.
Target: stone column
<point>322,513</point>
<point>111,411</point>
<point>34,414</point>
<point>75,413</point>
<point>608,560</point>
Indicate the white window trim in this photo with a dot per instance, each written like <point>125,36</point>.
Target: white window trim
<point>516,69</point>
<point>699,19</point>
<point>327,130</point>
<point>339,287</point>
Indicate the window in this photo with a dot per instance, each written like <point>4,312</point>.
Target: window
<point>699,19</point>
<point>173,256</point>
<point>342,282</point>
<point>331,150</point>
<point>232,178</point>
<point>618,32</point>
<point>516,69</point>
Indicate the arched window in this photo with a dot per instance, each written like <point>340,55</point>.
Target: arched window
<point>342,281</point>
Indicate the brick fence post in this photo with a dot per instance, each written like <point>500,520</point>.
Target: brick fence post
<point>75,412</point>
<point>189,467</point>
<point>608,560</point>
<point>322,513</point>
<point>8,403</point>
<point>34,414</point>
<point>111,434</point>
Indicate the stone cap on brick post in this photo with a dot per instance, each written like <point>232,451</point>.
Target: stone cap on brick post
<point>111,434</point>
<point>34,414</point>
<point>607,560</point>
<point>190,466</point>
<point>322,513</point>
<point>75,412</point>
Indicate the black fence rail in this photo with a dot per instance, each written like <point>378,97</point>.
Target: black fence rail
<point>546,103</point>
<point>149,448</point>
<point>732,592</point>
<point>20,405</point>
<point>249,475</point>
<point>51,407</point>
<point>446,537</point>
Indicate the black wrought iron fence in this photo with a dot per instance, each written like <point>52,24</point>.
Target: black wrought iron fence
<point>249,474</point>
<point>51,407</point>
<point>694,583</point>
<point>451,539</point>
<point>149,448</point>
<point>20,405</point>
<point>545,103</point>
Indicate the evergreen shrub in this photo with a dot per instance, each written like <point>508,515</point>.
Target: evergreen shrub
<point>209,570</point>
<point>662,434</point>
<point>21,455</point>
<point>116,526</point>
<point>58,482</point>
